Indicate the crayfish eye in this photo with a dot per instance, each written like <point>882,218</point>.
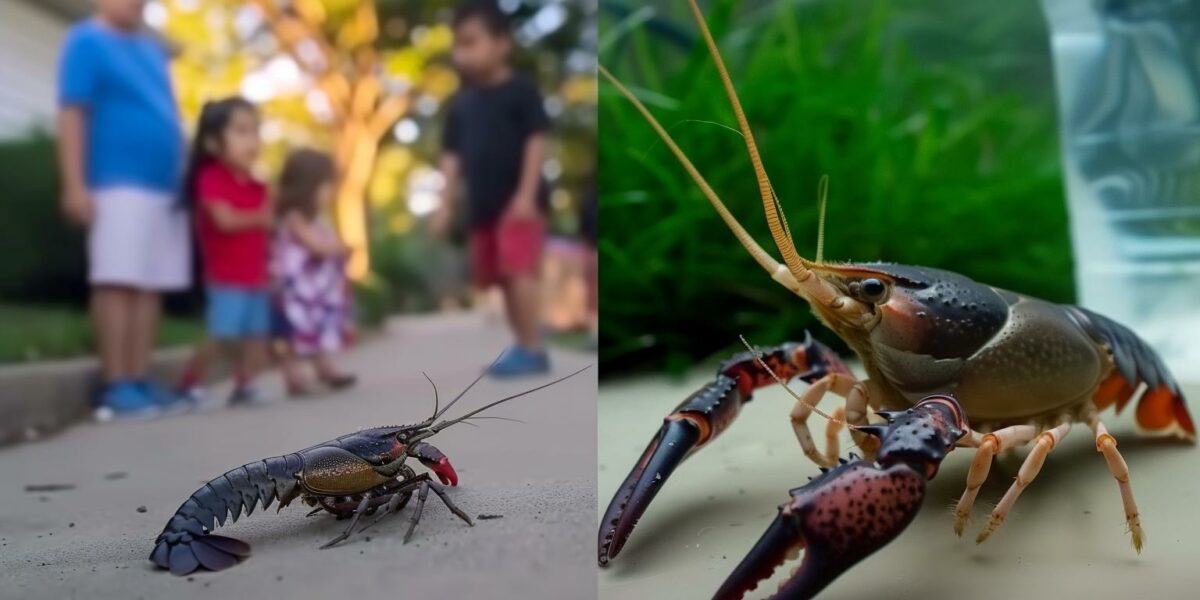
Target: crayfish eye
<point>872,289</point>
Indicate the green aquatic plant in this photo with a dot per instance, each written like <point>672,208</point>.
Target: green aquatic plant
<point>935,124</point>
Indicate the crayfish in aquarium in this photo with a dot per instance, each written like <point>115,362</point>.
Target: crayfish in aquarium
<point>1020,370</point>
<point>352,476</point>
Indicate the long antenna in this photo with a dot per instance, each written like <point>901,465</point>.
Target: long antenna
<point>779,233</point>
<point>445,424</point>
<point>468,388</point>
<point>435,395</point>
<point>510,419</point>
<point>777,271</point>
<point>823,193</point>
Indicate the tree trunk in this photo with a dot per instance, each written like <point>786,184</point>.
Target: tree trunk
<point>357,148</point>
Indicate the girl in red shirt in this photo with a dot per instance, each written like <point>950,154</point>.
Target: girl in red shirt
<point>233,222</point>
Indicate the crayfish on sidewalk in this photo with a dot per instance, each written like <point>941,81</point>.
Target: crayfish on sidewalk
<point>355,475</point>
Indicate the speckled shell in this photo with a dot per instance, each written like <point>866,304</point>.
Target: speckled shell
<point>332,470</point>
<point>955,315</point>
<point>1040,363</point>
<point>857,508</point>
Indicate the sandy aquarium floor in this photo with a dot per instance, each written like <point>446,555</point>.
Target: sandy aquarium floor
<point>92,541</point>
<point>1065,539</point>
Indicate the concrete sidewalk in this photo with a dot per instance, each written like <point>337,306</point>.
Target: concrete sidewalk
<point>43,398</point>
<point>91,541</point>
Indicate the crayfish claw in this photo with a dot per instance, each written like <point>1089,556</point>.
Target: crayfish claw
<point>675,440</point>
<point>829,521</point>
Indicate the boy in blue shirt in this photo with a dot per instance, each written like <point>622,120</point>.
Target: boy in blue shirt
<point>121,153</point>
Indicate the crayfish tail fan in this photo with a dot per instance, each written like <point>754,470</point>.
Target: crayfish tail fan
<point>184,552</point>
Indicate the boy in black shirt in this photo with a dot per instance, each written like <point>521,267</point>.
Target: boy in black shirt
<point>494,142</point>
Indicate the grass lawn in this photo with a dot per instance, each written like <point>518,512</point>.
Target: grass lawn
<point>32,333</point>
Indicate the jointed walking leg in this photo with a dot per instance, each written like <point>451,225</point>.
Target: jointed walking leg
<point>1029,470</point>
<point>1107,445</point>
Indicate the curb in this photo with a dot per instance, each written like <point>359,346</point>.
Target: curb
<point>42,398</point>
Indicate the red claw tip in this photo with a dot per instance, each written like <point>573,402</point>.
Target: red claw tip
<point>445,472</point>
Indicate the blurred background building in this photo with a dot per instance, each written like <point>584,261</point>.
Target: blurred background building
<point>30,32</point>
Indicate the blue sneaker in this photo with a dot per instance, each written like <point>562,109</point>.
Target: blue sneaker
<point>123,401</point>
<point>518,361</point>
<point>168,403</point>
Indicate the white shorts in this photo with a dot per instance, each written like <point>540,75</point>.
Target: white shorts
<point>139,238</point>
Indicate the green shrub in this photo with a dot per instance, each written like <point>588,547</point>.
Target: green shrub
<point>934,121</point>
<point>417,270</point>
<point>49,332</point>
<point>43,258</point>
<point>372,302</point>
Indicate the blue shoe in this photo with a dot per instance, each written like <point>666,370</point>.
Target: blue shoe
<point>518,361</point>
<point>124,401</point>
<point>167,402</point>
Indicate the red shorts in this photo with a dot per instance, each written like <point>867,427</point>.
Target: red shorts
<point>506,249</point>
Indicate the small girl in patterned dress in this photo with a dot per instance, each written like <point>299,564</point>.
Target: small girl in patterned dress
<point>309,268</point>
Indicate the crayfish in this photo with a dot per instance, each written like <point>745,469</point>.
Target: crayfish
<point>355,475</point>
<point>1022,369</point>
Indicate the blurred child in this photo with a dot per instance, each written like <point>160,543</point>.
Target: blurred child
<point>494,142</point>
<point>233,220</point>
<point>121,154</point>
<point>310,272</point>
